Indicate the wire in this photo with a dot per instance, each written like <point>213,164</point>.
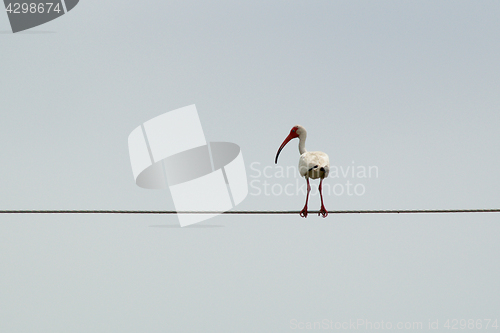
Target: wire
<point>252,212</point>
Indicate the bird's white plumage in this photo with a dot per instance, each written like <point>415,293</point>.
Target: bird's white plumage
<point>314,165</point>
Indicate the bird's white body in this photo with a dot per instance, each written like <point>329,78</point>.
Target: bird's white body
<point>314,165</point>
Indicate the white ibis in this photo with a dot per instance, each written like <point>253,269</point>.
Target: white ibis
<point>312,164</point>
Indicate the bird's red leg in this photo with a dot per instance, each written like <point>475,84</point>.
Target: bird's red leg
<point>303,212</point>
<point>323,210</point>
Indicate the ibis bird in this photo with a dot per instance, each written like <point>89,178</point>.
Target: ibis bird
<point>312,164</point>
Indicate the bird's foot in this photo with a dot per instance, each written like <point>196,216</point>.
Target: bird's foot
<point>323,212</point>
<point>303,212</point>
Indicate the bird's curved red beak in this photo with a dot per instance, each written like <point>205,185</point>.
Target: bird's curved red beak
<point>290,136</point>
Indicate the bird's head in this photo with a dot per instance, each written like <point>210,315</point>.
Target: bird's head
<point>295,132</point>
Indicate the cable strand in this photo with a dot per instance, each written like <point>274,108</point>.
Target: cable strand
<point>252,212</point>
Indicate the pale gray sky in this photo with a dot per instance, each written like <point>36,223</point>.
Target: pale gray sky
<point>410,87</point>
